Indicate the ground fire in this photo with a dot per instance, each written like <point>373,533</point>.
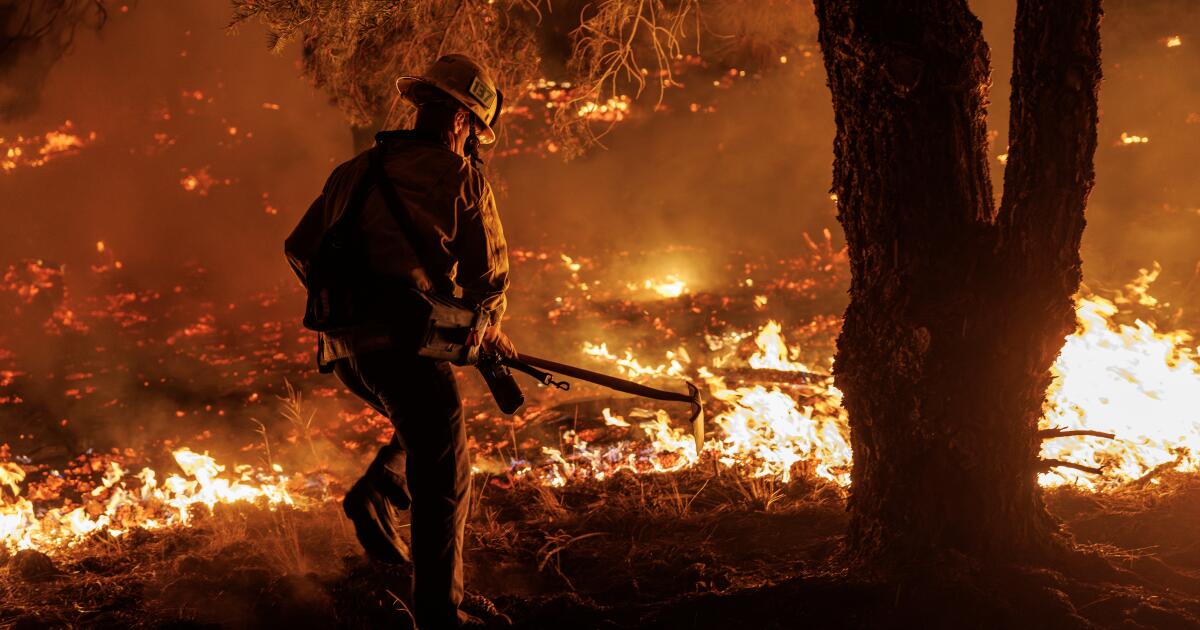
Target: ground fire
<point>920,396</point>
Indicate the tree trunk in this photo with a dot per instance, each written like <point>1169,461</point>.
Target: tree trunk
<point>957,310</point>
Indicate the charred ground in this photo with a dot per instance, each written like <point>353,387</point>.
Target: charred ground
<point>680,550</point>
<point>706,546</point>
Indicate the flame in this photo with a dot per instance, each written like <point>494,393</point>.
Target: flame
<point>11,475</point>
<point>202,181</point>
<point>1114,374</point>
<point>773,351</point>
<point>570,263</point>
<point>674,448</point>
<point>119,504</point>
<point>610,419</point>
<point>629,365</point>
<point>614,109</point>
<point>671,286</point>
<point>761,431</point>
<point>770,432</point>
<point>1128,379</point>
<point>766,433</point>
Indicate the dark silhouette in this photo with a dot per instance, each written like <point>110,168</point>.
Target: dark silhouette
<point>450,238</point>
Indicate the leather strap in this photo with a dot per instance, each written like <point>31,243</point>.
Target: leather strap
<point>396,207</point>
<point>358,199</point>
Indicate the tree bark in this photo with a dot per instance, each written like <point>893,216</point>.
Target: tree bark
<point>957,310</point>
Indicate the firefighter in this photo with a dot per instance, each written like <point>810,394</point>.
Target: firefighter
<point>433,168</point>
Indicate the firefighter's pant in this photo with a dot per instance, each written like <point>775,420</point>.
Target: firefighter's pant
<point>425,462</point>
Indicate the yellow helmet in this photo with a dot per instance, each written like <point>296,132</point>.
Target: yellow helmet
<point>465,81</point>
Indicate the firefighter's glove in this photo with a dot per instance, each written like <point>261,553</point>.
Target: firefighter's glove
<point>496,341</point>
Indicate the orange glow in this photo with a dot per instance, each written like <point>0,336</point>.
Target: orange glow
<point>123,501</point>
<point>36,151</point>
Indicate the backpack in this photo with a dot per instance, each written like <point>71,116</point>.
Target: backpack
<point>431,325</point>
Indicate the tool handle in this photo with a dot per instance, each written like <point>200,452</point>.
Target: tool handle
<point>611,382</point>
<point>529,365</point>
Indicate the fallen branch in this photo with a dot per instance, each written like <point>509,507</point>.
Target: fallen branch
<point>1047,464</point>
<point>1059,432</point>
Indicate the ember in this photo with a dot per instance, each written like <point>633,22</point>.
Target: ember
<point>773,414</point>
<point>22,151</point>
<point>831,340</point>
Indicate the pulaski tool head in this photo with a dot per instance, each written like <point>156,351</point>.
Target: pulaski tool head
<point>697,416</point>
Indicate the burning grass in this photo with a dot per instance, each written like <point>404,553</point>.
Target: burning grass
<point>605,500</point>
<point>628,551</point>
<point>775,416</point>
<point>122,500</point>
<point>627,540</point>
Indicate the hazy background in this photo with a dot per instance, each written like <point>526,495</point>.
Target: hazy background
<point>170,94</point>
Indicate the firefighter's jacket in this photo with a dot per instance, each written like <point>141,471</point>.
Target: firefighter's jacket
<point>454,212</point>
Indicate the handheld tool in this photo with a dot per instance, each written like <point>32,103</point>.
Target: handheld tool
<point>540,369</point>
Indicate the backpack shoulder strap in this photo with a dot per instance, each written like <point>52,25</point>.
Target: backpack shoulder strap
<point>396,207</point>
<point>358,197</point>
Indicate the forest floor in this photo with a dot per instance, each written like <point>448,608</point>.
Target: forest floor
<point>691,549</point>
<point>105,372</point>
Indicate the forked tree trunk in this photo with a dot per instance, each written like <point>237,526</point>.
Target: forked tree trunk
<point>957,310</point>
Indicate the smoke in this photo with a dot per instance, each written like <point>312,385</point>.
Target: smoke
<point>751,175</point>
<point>171,96</point>
<point>34,35</point>
<point>174,103</point>
<point>1145,206</point>
<point>1147,199</point>
<point>208,150</point>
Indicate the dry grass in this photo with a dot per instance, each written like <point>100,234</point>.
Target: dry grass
<point>584,536</point>
<point>623,548</point>
<point>301,419</point>
<point>759,493</point>
<point>615,549</point>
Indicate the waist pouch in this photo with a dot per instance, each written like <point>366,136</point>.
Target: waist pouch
<point>443,328</point>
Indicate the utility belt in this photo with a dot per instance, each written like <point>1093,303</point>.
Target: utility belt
<point>428,325</point>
